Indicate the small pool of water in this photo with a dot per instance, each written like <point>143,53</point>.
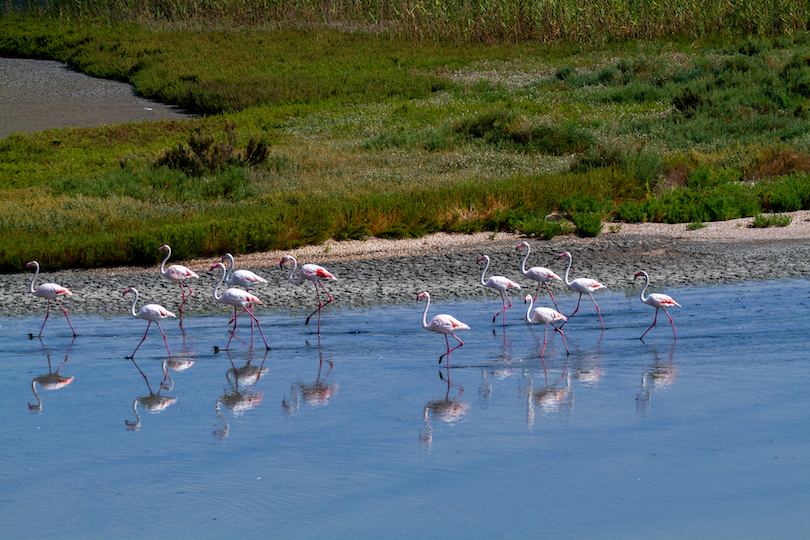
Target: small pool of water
<point>362,434</point>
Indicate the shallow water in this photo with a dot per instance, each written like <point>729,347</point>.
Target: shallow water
<point>358,434</point>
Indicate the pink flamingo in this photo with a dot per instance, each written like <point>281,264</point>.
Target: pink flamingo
<point>243,278</point>
<point>315,274</point>
<point>179,273</point>
<point>658,301</point>
<point>442,324</point>
<point>237,298</point>
<point>500,284</point>
<point>152,313</point>
<point>582,286</point>
<point>538,273</point>
<point>546,316</point>
<point>49,291</point>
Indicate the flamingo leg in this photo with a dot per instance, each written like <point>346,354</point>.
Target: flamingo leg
<point>671,322</point>
<point>58,303</point>
<point>600,312</point>
<point>253,318</point>
<point>563,335</point>
<point>167,345</point>
<point>551,295</point>
<point>504,299</point>
<point>655,320</point>
<point>449,350</point>
<point>320,304</point>
<point>545,337</point>
<point>131,356</point>
<point>47,313</point>
<point>569,317</point>
<point>184,296</point>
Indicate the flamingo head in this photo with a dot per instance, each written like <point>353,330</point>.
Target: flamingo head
<point>527,299</point>
<point>285,259</point>
<point>218,265</point>
<point>164,247</point>
<point>127,291</point>
<point>422,295</point>
<point>483,257</point>
<point>641,273</point>
<point>522,244</point>
<point>561,255</point>
<point>32,263</point>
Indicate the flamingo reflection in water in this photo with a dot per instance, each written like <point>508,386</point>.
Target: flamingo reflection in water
<point>659,376</point>
<point>316,394</point>
<point>554,397</point>
<point>53,380</point>
<point>154,402</point>
<point>240,395</point>
<point>447,410</point>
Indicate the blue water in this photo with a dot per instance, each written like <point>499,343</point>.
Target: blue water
<point>362,434</point>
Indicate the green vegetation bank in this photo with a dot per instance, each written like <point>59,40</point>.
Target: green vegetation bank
<point>352,119</point>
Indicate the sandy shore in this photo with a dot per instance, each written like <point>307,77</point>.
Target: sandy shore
<point>377,271</point>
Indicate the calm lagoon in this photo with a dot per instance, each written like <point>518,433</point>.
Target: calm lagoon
<point>362,434</point>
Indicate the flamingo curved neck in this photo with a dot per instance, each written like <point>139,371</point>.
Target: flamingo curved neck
<point>570,259</point>
<point>36,273</point>
<point>424,314</point>
<point>486,266</point>
<point>523,264</point>
<point>216,289</point>
<point>134,301</point>
<point>163,264</point>
<point>529,311</point>
<point>292,271</point>
<point>230,270</point>
<point>644,289</point>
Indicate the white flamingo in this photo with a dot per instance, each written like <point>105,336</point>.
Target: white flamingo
<point>237,298</point>
<point>582,286</point>
<point>539,274</point>
<point>315,274</point>
<point>658,301</point>
<point>442,324</point>
<point>49,291</point>
<point>500,284</point>
<point>178,273</point>
<point>546,316</point>
<point>153,313</point>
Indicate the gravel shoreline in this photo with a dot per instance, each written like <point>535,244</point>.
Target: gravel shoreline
<point>374,271</point>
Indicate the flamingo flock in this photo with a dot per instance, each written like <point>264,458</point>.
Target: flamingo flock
<point>242,301</point>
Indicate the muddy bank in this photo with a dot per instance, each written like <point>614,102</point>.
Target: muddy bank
<point>451,273</point>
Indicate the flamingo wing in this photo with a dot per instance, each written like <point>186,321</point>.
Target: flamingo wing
<point>51,291</point>
<point>540,274</point>
<point>501,283</point>
<point>585,285</point>
<point>446,324</point>
<point>246,278</point>
<point>179,272</point>
<point>661,301</point>
<point>547,315</point>
<point>238,297</point>
<point>155,312</point>
<point>315,272</point>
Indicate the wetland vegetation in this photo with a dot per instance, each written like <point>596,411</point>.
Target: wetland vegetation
<point>352,119</point>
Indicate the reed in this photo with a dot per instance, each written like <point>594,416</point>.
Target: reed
<point>471,20</point>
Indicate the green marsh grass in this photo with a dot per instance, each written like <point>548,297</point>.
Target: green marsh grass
<point>382,134</point>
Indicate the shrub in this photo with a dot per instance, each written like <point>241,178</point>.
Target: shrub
<point>588,223</point>
<point>771,220</point>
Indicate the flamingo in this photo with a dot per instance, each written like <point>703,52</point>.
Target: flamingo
<point>179,273</point>
<point>582,286</point>
<point>442,324</point>
<point>658,301</point>
<point>500,284</point>
<point>237,298</point>
<point>315,274</point>
<point>244,278</point>
<point>546,316</point>
<point>49,291</point>
<point>538,273</point>
<point>53,380</point>
<point>152,313</point>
